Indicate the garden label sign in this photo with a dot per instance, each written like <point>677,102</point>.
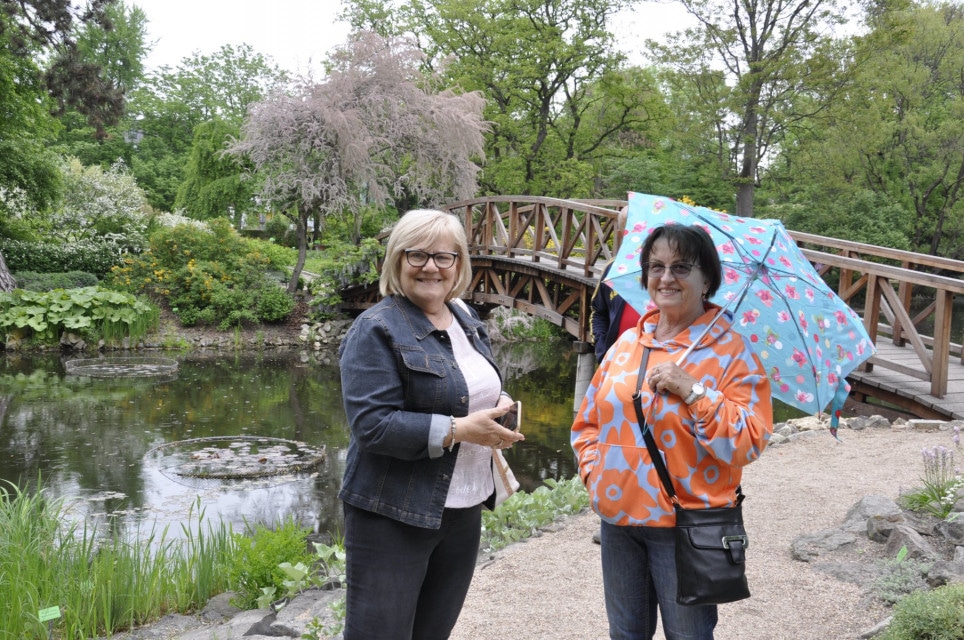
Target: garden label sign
<point>49,613</point>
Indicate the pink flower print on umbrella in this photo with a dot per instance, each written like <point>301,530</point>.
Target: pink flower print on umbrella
<point>765,297</point>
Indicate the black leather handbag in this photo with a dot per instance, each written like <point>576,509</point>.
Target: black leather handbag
<point>710,543</point>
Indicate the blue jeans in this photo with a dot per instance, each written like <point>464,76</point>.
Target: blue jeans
<point>639,573</point>
<point>404,581</point>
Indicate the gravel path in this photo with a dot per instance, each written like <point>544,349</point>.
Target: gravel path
<point>550,587</point>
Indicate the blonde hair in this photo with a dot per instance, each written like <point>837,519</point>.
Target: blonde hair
<point>418,229</point>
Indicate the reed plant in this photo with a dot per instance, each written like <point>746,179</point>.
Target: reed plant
<point>133,328</point>
<point>99,584</point>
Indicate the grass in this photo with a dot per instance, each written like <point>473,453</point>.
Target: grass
<point>99,585</point>
<point>105,584</point>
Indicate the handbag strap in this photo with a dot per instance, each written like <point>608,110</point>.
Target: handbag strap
<point>654,453</point>
<point>648,432</point>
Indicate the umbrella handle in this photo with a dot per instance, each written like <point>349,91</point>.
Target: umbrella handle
<point>737,300</point>
<point>689,349</point>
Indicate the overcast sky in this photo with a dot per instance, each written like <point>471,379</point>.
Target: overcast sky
<point>298,33</point>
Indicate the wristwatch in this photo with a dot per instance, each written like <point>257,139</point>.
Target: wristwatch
<point>697,392</point>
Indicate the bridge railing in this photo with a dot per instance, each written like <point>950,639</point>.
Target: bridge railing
<point>899,294</point>
<point>565,234</point>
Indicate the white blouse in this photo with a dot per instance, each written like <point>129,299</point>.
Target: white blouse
<point>472,479</point>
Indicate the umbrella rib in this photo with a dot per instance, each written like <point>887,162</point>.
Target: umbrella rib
<point>735,302</point>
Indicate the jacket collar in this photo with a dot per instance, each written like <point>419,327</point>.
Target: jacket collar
<point>422,327</point>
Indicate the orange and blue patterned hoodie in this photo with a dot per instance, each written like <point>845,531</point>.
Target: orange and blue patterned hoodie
<point>705,445</point>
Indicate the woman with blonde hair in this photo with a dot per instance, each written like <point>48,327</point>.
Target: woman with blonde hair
<point>423,396</point>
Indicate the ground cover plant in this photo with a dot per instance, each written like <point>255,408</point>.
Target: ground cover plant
<point>929,615</point>
<point>91,312</point>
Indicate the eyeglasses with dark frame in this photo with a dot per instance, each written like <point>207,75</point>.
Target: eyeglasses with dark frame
<point>419,258</point>
<point>678,269</point>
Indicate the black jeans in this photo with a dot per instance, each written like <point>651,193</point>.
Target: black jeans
<point>405,582</point>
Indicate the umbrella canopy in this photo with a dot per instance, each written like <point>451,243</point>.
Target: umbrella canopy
<point>806,336</point>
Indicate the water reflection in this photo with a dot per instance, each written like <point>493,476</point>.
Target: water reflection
<point>87,439</point>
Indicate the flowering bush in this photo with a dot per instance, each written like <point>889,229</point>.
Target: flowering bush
<point>208,276</point>
<point>940,483</point>
<point>99,204</point>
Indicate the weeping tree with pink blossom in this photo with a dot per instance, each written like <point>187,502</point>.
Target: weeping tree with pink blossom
<point>377,130</point>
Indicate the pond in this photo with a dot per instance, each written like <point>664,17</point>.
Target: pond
<point>107,446</point>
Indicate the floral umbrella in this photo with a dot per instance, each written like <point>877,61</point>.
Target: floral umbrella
<point>806,336</point>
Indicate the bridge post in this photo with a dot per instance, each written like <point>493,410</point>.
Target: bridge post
<point>585,367</point>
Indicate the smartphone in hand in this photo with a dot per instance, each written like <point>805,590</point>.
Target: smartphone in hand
<point>513,418</point>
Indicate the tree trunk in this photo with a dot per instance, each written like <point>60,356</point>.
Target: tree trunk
<point>301,226</point>
<point>744,200</point>
<point>7,281</point>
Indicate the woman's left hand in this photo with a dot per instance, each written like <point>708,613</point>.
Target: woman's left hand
<point>667,377</point>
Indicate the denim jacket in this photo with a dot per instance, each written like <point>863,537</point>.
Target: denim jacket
<point>400,382</point>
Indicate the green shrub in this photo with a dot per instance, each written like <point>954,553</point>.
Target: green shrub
<point>255,565</point>
<point>208,276</point>
<point>32,281</point>
<point>278,256</point>
<point>929,615</point>
<point>339,266</point>
<point>93,256</point>
<point>278,229</point>
<point>274,304</point>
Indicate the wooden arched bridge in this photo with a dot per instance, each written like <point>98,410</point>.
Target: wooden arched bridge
<point>544,256</point>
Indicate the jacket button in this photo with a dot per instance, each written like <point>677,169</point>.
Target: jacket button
<point>464,399</point>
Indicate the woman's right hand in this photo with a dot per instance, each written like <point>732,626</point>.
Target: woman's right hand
<point>481,428</point>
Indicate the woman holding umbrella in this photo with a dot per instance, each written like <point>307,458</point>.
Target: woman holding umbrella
<point>710,414</point>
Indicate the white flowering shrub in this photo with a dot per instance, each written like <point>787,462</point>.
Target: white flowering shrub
<point>99,204</point>
<point>171,220</point>
<point>14,202</point>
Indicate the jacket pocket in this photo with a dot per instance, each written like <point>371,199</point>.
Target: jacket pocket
<point>426,380</point>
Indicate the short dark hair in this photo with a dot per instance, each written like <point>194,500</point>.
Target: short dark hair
<point>692,244</point>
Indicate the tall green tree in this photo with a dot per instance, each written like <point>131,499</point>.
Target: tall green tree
<point>215,183</point>
<point>749,71</point>
<point>72,79</point>
<point>896,136</point>
<point>373,129</point>
<point>557,96</point>
<point>119,51</point>
<point>41,66</point>
<point>26,126</point>
<point>173,101</point>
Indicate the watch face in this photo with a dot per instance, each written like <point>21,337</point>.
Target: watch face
<point>698,389</point>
